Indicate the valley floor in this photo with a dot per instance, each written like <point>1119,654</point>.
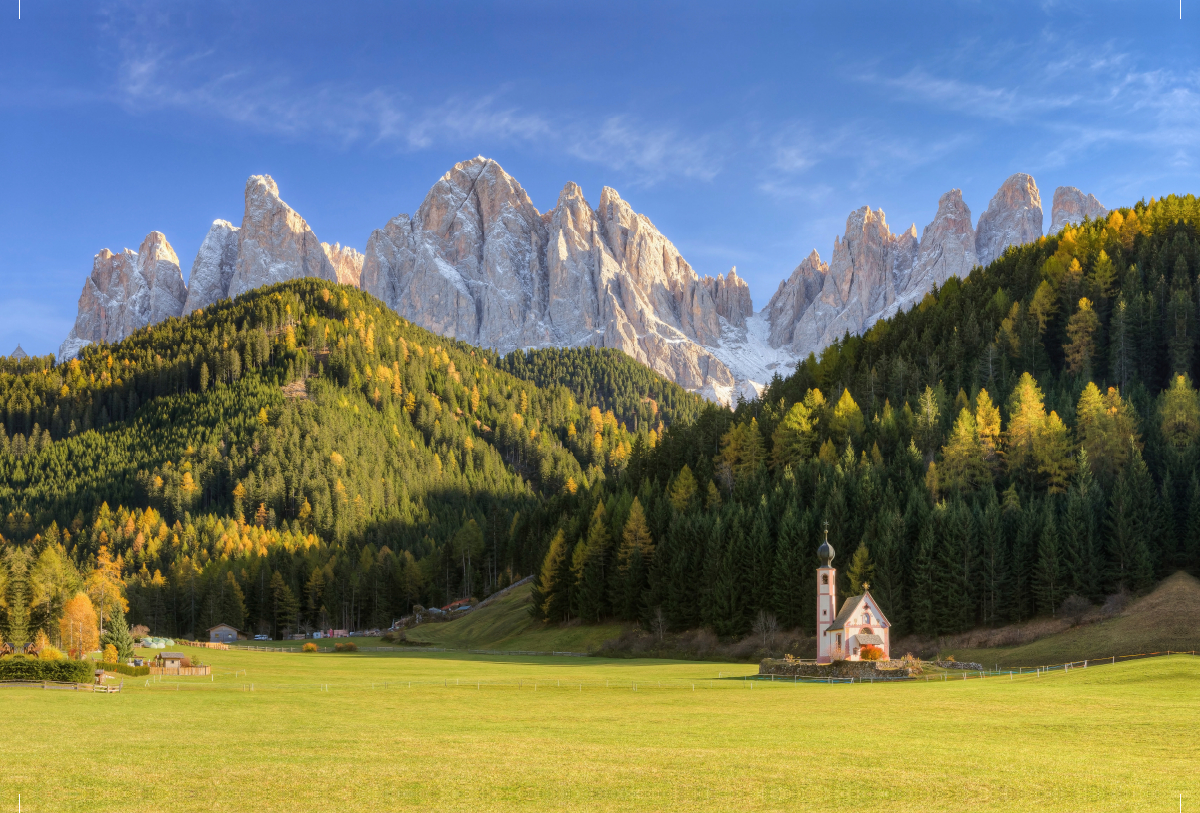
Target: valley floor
<point>437,731</point>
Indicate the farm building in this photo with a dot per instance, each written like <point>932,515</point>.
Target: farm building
<point>859,628</point>
<point>224,633</point>
<point>169,660</point>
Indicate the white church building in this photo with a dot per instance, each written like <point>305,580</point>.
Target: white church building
<point>842,634</point>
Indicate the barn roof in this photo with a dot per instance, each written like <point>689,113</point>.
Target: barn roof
<point>165,655</point>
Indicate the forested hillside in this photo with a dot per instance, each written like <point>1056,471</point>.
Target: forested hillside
<point>302,457</point>
<point>610,380</point>
<point>297,457</point>
<point>1026,434</point>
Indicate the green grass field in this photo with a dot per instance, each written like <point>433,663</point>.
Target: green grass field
<point>348,732</point>
<point>505,624</point>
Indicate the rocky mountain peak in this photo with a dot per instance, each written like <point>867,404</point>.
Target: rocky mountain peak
<point>1071,206</point>
<point>347,262</point>
<point>1013,217</point>
<point>947,247</point>
<point>126,292</point>
<point>479,262</point>
<point>213,267</point>
<point>275,243</point>
<point>731,296</point>
<point>793,298</point>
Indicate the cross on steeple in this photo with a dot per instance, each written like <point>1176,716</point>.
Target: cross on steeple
<point>826,530</point>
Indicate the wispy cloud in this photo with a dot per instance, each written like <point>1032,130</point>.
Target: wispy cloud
<point>865,149</point>
<point>151,78</point>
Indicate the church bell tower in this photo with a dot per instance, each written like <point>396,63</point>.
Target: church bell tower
<point>826,598</point>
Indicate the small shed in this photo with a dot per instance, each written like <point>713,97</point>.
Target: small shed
<point>224,633</point>
<point>170,660</point>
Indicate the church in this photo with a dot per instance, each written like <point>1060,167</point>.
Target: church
<point>844,634</point>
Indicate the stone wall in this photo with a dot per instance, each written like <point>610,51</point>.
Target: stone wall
<point>969,666</point>
<point>879,670</point>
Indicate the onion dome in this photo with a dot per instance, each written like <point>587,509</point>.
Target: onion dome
<point>825,553</point>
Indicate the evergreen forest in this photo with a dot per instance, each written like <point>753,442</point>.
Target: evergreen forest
<point>301,457</point>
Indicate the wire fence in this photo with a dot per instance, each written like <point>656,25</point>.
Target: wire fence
<point>976,674</point>
<point>414,650</point>
<point>231,682</point>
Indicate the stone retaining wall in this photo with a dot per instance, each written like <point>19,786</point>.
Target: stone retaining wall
<point>842,669</point>
<point>972,667</point>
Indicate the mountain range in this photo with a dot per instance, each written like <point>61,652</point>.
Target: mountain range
<point>478,262</point>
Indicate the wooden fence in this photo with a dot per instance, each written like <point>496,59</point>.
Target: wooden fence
<point>95,688</point>
<point>182,671</point>
<point>204,644</point>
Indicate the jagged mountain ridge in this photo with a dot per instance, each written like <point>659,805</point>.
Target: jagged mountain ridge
<point>478,262</point>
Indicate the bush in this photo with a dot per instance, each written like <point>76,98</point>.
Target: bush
<point>309,647</point>
<point>50,653</point>
<point>1075,608</point>
<point>870,652</point>
<point>19,667</point>
<point>110,654</point>
<point>346,647</point>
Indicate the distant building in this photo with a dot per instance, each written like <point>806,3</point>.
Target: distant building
<point>224,633</point>
<point>19,354</point>
<point>170,660</point>
<point>860,623</point>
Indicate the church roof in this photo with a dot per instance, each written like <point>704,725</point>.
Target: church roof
<point>19,354</point>
<point>851,605</point>
<point>865,638</point>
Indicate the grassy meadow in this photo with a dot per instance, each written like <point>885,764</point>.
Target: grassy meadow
<point>1168,619</point>
<point>505,624</point>
<point>348,732</point>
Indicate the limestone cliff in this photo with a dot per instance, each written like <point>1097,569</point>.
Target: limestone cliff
<point>479,262</point>
<point>1013,217</point>
<point>1072,206</point>
<point>125,292</point>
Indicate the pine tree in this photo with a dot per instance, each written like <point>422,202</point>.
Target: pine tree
<point>789,570</point>
<point>1128,557</point>
<point>592,574</point>
<point>922,603</point>
<point>952,564</point>
<point>887,582</point>
<point>1078,537</point>
<point>991,565</point>
<point>630,581</point>
<point>861,569</point>
<point>762,552</point>
<point>117,635</point>
<point>1047,576</point>
<point>233,602</point>
<point>963,463</point>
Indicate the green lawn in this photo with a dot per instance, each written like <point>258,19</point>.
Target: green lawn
<point>348,732</point>
<point>505,624</point>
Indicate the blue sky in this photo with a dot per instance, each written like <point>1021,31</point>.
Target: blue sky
<point>745,131</point>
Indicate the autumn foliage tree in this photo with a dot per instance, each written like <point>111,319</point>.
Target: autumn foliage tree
<point>78,628</point>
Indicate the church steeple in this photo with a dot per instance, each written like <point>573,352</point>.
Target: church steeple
<point>826,599</point>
